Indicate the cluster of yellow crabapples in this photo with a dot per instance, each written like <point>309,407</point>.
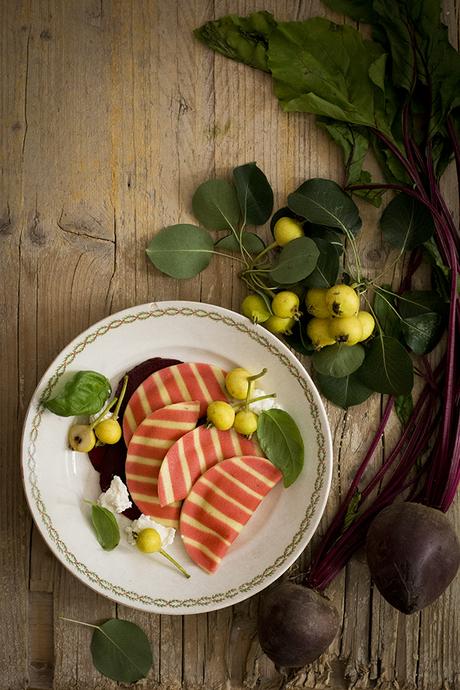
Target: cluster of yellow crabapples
<point>337,317</point>
<point>225,416</point>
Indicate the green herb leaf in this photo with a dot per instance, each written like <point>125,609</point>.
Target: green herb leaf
<point>281,442</point>
<point>387,367</point>
<point>84,394</point>
<point>181,251</point>
<point>403,407</point>
<point>121,651</point>
<point>386,313</point>
<point>338,360</point>
<point>244,39</point>
<point>216,206</point>
<point>326,270</point>
<point>323,202</point>
<point>255,194</point>
<point>251,242</point>
<point>105,526</point>
<point>343,392</point>
<point>296,261</point>
<point>359,10</point>
<point>406,223</point>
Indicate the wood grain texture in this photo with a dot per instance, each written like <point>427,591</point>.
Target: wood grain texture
<point>111,114</point>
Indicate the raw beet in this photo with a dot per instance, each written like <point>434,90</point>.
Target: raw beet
<point>413,555</point>
<point>109,460</point>
<point>295,624</point>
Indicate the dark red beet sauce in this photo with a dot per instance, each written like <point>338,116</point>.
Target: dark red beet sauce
<point>110,460</point>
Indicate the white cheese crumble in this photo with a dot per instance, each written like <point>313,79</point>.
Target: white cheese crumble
<point>93,417</point>
<point>167,534</point>
<point>116,498</point>
<point>263,405</point>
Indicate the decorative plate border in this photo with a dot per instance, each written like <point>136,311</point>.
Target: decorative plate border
<point>142,598</point>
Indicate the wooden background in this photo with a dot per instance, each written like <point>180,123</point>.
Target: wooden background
<point>111,114</point>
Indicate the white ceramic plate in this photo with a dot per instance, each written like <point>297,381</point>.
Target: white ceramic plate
<point>58,480</point>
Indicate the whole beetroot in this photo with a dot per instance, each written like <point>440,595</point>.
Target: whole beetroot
<point>295,624</point>
<point>413,555</point>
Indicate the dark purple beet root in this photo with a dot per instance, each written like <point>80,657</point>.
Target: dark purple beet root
<point>110,460</point>
<point>413,555</point>
<point>295,624</point>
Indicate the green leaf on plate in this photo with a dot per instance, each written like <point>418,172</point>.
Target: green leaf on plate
<point>325,273</point>
<point>406,223</point>
<point>215,205</point>
<point>255,194</point>
<point>403,407</point>
<point>83,394</point>
<point>181,251</point>
<point>323,202</point>
<point>105,527</point>
<point>296,261</point>
<point>121,651</point>
<point>282,443</point>
<point>343,392</point>
<point>387,367</point>
<point>251,242</point>
<point>338,360</point>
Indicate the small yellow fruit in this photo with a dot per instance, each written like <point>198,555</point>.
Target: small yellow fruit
<point>81,438</point>
<point>236,383</point>
<point>287,229</point>
<point>315,301</point>
<point>148,540</point>
<point>279,326</point>
<point>108,431</point>
<point>245,422</point>
<point>254,307</point>
<point>221,414</point>
<point>286,304</point>
<point>347,330</point>
<point>342,301</point>
<point>367,324</point>
<point>318,332</point>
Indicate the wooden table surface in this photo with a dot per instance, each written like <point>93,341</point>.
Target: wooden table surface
<point>111,114</point>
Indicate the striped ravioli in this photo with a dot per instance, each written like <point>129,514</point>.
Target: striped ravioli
<point>219,505</point>
<point>146,450</point>
<point>195,453</point>
<point>182,382</point>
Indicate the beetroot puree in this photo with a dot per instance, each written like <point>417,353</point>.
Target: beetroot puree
<point>109,460</point>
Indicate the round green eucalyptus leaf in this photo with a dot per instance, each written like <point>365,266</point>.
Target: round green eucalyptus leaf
<point>345,391</point>
<point>338,360</point>
<point>181,251</point>
<point>387,367</point>
<point>326,271</point>
<point>296,261</point>
<point>323,202</point>
<point>121,651</point>
<point>255,194</point>
<point>215,205</point>
<point>251,242</point>
<point>406,223</point>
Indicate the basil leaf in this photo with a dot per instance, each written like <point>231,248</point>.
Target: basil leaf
<point>387,367</point>
<point>121,651</point>
<point>386,312</point>
<point>325,273</point>
<point>343,392</point>
<point>181,251</point>
<point>280,439</point>
<point>296,261</point>
<point>84,394</point>
<point>323,202</point>
<point>216,206</point>
<point>359,10</point>
<point>406,223</point>
<point>251,242</point>
<point>105,526</point>
<point>338,360</point>
<point>255,194</point>
<point>403,407</point>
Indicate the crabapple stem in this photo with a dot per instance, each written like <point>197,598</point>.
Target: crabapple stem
<point>174,562</point>
<point>120,399</point>
<point>104,412</point>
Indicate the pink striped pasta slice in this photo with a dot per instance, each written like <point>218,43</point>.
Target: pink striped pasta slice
<point>219,505</point>
<point>195,453</point>
<point>179,383</point>
<point>146,450</point>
